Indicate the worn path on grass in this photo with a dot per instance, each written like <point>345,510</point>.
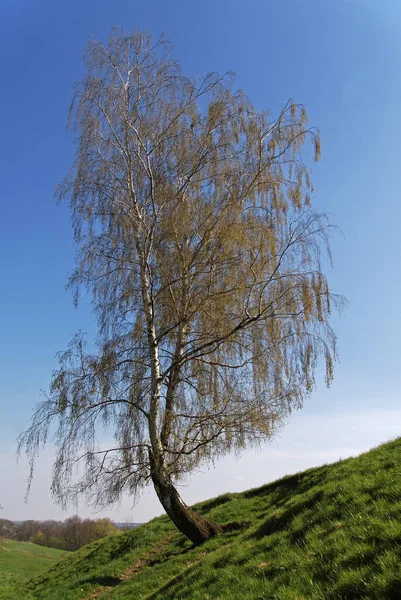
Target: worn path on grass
<point>133,569</point>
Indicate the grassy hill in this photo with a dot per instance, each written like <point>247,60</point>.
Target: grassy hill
<point>19,562</point>
<point>329,533</point>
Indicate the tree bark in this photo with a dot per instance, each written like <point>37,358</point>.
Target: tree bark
<point>193,525</point>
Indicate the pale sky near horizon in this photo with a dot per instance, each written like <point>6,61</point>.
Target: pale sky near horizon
<point>343,61</point>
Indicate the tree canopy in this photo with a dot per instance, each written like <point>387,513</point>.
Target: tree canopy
<point>198,243</point>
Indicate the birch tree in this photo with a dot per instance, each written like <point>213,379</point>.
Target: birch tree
<point>198,243</point>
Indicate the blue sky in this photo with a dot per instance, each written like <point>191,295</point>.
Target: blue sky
<point>343,61</point>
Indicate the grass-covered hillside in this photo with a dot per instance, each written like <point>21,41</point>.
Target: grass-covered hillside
<point>20,561</point>
<point>329,533</point>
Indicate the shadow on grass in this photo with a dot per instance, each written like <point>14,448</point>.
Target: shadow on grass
<point>235,526</point>
<point>393,589</point>
<point>281,518</point>
<point>209,505</point>
<point>162,591</point>
<point>107,581</point>
<point>122,549</point>
<point>285,487</point>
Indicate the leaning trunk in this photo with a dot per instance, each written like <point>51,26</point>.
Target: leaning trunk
<point>193,525</point>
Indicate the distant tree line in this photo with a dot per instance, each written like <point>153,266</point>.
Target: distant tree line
<point>71,534</point>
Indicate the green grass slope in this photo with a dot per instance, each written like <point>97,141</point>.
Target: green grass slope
<point>329,533</point>
<point>20,561</point>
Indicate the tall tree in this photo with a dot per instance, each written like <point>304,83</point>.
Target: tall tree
<point>197,240</point>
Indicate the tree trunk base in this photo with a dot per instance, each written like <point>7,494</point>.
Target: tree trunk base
<point>194,526</point>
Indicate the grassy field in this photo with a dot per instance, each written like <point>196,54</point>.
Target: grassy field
<point>330,533</point>
<point>19,562</point>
